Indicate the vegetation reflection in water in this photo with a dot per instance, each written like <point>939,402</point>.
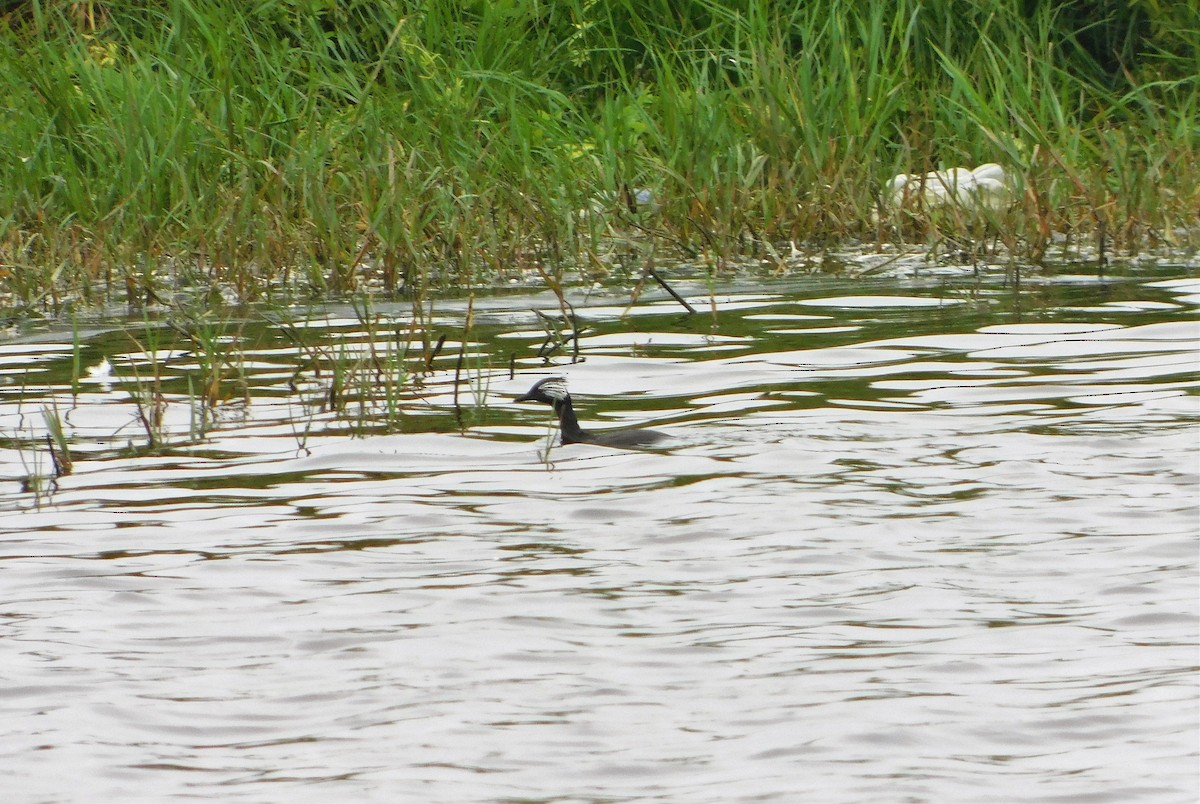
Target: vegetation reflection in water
<point>915,534</point>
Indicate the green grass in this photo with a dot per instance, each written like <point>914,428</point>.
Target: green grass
<point>403,147</point>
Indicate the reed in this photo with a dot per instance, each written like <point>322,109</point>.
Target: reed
<point>145,386</point>
<point>215,341</point>
<point>362,378</point>
<point>57,442</point>
<point>415,148</point>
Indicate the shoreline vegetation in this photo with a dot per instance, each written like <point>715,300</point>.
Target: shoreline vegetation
<point>243,150</point>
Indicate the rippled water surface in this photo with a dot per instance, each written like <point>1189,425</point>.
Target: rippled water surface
<point>910,542</point>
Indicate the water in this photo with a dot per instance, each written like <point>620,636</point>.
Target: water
<point>912,544</point>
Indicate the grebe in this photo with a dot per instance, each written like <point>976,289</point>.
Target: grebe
<point>553,391</point>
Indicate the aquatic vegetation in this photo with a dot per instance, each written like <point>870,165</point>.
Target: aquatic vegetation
<point>405,149</point>
<point>56,441</point>
<point>144,383</point>
<point>208,165</point>
<point>361,374</point>
<point>214,343</point>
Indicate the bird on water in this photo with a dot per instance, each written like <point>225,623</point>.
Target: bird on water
<point>553,391</point>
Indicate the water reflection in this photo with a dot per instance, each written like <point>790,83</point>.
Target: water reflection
<point>921,552</point>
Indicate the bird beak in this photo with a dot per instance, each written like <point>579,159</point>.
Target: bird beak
<point>523,398</point>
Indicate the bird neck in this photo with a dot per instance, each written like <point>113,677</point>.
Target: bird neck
<point>571,431</point>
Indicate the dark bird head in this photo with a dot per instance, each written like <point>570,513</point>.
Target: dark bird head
<point>549,391</point>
